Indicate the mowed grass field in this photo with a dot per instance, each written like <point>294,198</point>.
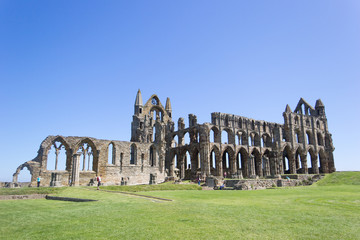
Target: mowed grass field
<point>327,210</point>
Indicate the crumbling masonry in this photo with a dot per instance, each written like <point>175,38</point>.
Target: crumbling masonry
<point>231,146</point>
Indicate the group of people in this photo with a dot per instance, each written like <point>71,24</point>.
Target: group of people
<point>98,179</point>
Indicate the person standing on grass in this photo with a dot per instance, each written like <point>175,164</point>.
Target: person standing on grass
<point>99,181</point>
<point>38,179</point>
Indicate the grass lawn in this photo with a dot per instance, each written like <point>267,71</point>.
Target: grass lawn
<point>331,211</point>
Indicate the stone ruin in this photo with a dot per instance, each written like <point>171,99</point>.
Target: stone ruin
<point>157,152</point>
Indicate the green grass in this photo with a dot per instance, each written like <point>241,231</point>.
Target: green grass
<point>146,188</point>
<point>313,212</point>
<point>340,178</point>
<point>28,190</point>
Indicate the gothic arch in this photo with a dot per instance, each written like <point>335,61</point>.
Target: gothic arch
<point>215,163</point>
<point>258,163</point>
<point>95,164</point>
<point>20,168</point>
<point>216,133</point>
<point>112,158</point>
<point>242,161</point>
<point>257,141</point>
<point>230,135</point>
<point>290,163</point>
<point>298,135</point>
<point>159,112</point>
<point>152,155</point>
<point>47,148</point>
<point>267,141</point>
<point>154,96</point>
<point>320,139</point>
<point>228,165</point>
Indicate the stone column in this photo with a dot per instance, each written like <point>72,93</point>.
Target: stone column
<point>75,170</point>
<point>89,154</point>
<point>315,165</point>
<point>266,166</point>
<point>258,165</point>
<point>232,160</point>
<point>84,159</point>
<point>182,167</point>
<point>172,165</point>
<point>56,157</point>
<point>252,173</point>
<point>280,164</point>
<point>292,166</point>
<point>205,161</point>
<point>220,166</point>
<point>244,166</point>
<point>304,165</point>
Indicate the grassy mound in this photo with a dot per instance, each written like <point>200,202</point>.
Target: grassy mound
<point>158,187</point>
<point>340,178</point>
<point>29,190</point>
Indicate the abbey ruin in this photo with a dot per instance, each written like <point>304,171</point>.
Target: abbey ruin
<point>231,145</point>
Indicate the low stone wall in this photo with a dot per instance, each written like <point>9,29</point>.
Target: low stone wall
<point>13,184</point>
<point>256,184</point>
<point>302,176</point>
<point>22,197</point>
<point>251,184</point>
<point>284,181</point>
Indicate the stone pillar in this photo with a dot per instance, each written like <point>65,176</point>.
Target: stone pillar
<point>220,166</point>
<point>205,161</point>
<point>244,167</point>
<point>304,166</point>
<point>292,165</point>
<point>266,166</point>
<point>252,173</point>
<point>172,165</point>
<point>232,161</point>
<point>272,166</point>
<point>89,154</point>
<point>75,170</point>
<point>182,166</point>
<point>258,165</point>
<point>280,164</point>
<point>56,157</point>
<point>84,159</point>
<point>315,165</point>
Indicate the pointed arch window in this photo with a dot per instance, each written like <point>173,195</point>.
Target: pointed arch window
<point>152,157</point>
<point>133,154</point>
<point>296,120</point>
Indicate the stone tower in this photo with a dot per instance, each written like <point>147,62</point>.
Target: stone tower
<point>151,120</point>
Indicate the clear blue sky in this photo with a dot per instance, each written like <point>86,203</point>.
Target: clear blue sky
<point>73,67</point>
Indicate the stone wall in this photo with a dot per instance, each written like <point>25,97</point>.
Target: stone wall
<point>253,148</point>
